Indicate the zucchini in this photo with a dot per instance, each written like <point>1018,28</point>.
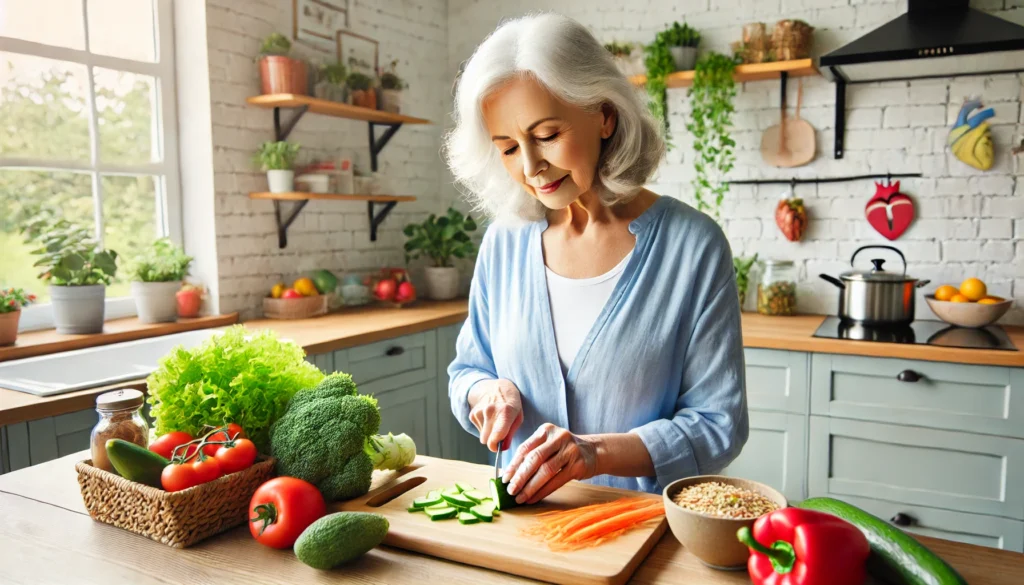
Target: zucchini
<point>893,552</point>
<point>464,487</point>
<point>475,495</point>
<point>499,493</point>
<point>467,518</point>
<point>427,501</point>
<point>458,500</point>
<point>136,463</point>
<point>439,513</point>
<point>483,512</point>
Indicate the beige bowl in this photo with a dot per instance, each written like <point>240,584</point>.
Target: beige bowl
<point>967,314</point>
<point>712,539</point>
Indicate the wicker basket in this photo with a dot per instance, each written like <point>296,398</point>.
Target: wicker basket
<point>179,519</point>
<point>303,308</point>
<point>791,40</point>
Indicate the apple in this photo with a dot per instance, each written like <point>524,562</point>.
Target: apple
<point>291,293</point>
<point>189,301</point>
<point>385,289</point>
<point>406,292</point>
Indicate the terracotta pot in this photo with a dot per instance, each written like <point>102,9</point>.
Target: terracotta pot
<point>365,98</point>
<point>279,74</point>
<point>9,327</point>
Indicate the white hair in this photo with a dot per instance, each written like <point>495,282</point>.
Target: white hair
<point>564,57</point>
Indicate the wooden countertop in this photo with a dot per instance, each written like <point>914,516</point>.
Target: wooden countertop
<point>47,537</point>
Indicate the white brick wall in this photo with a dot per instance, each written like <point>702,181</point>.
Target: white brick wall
<point>326,234</point>
<point>969,222</point>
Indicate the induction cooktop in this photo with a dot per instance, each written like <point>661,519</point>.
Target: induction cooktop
<point>922,332</point>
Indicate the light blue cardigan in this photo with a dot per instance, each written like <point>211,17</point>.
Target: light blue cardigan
<point>664,359</point>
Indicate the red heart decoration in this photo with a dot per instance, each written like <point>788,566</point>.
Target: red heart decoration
<point>889,211</point>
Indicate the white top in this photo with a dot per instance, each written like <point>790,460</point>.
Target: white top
<point>575,306</point>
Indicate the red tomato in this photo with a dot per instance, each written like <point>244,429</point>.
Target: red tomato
<point>165,445</point>
<point>234,430</point>
<point>176,477</point>
<point>206,469</point>
<point>291,293</point>
<point>282,508</point>
<point>236,457</point>
<point>385,289</point>
<point>189,302</point>
<point>406,292</point>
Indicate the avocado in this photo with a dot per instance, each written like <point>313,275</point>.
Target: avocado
<point>340,537</point>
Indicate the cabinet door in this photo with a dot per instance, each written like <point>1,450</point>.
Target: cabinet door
<point>457,443</point>
<point>409,410</point>
<point>392,363</point>
<point>776,380</point>
<point>37,441</point>
<point>775,453</point>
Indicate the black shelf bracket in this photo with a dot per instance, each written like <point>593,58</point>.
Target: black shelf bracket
<point>377,145</point>
<point>379,217</point>
<point>284,222</point>
<point>282,132</point>
<point>840,114</point>
<point>783,78</point>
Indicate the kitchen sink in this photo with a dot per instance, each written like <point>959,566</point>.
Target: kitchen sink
<point>95,366</point>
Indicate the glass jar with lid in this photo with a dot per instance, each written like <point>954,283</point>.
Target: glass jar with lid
<point>120,418</point>
<point>776,289</point>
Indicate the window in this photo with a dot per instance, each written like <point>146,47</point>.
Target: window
<point>87,124</point>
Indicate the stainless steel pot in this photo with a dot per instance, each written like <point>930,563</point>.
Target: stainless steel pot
<point>876,297</point>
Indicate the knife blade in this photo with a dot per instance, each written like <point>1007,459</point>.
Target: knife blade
<point>497,460</point>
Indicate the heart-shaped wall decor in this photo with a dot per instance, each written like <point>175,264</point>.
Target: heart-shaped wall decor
<point>889,211</point>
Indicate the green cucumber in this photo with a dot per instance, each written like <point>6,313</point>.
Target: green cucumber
<point>458,500</point>
<point>441,506</point>
<point>427,501</point>
<point>445,513</point>
<point>136,463</point>
<point>893,552</point>
<point>414,509</point>
<point>499,493</point>
<point>483,512</point>
<point>464,487</point>
<point>475,495</point>
<point>467,518</point>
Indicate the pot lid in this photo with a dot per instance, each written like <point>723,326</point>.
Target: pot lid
<point>876,274</point>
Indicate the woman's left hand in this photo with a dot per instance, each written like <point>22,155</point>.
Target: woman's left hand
<point>548,460</point>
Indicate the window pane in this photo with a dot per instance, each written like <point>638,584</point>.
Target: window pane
<point>129,221</point>
<point>51,22</point>
<point>122,28</point>
<point>125,108</point>
<point>71,192</point>
<point>44,110</point>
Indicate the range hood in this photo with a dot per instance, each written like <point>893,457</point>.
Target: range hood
<point>934,38</point>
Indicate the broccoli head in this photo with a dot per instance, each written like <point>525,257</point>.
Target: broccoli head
<point>322,436</point>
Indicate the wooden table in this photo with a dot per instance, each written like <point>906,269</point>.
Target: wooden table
<point>47,537</point>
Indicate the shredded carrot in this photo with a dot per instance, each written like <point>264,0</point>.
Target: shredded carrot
<point>596,516</point>
<point>595,524</point>
<point>619,522</point>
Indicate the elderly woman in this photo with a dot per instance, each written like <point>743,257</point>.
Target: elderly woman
<point>603,339</point>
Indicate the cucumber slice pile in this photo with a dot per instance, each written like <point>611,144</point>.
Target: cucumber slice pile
<point>462,502</point>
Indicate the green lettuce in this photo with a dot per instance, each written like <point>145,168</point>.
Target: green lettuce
<point>241,376</point>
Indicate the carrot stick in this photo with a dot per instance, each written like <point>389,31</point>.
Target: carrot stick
<point>596,516</point>
<point>616,523</point>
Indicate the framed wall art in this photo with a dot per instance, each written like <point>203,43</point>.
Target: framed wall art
<point>357,52</point>
<point>314,22</point>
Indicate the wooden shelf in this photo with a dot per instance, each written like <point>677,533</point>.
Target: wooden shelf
<point>753,72</point>
<point>329,108</point>
<point>302,196</point>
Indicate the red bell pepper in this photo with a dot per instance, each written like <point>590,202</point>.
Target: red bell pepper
<point>793,546</point>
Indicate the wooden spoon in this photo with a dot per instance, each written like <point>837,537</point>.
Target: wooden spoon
<point>791,143</point>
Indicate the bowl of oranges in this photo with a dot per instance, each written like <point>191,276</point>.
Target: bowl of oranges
<point>970,305</point>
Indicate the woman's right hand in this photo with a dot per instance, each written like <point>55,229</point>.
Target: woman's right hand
<point>496,409</point>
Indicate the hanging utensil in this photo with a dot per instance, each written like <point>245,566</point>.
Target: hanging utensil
<point>791,143</point>
<point>773,141</point>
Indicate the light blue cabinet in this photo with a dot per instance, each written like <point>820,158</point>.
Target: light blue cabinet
<point>777,380</point>
<point>458,444</point>
<point>37,441</point>
<point>775,453</point>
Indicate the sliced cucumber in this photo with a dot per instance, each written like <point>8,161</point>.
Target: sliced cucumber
<point>464,487</point>
<point>445,513</point>
<point>483,512</point>
<point>414,509</point>
<point>458,500</point>
<point>476,496</point>
<point>427,501</point>
<point>499,493</point>
<point>467,518</point>
<point>450,491</point>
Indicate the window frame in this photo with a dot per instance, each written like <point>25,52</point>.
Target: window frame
<point>166,174</point>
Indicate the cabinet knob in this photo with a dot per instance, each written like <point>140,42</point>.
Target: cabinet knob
<point>908,376</point>
<point>397,350</point>
<point>901,519</point>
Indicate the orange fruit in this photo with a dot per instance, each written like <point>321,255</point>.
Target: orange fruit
<point>974,289</point>
<point>278,290</point>
<point>990,301</point>
<point>959,298</point>
<point>945,292</point>
<point>305,287</point>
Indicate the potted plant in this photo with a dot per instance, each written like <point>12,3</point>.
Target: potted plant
<point>711,110</point>
<point>156,276</point>
<point>391,90</point>
<point>361,89</point>
<point>627,56</point>
<point>11,302</point>
<point>742,268</point>
<point>331,85</point>
<point>277,159</point>
<point>682,43</point>
<point>76,268</point>
<point>279,73</point>
<point>441,238</point>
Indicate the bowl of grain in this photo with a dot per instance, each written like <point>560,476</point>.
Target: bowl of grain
<point>705,512</point>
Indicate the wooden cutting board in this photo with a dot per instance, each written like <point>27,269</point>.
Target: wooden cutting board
<point>499,545</point>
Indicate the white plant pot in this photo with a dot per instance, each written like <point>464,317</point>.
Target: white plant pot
<point>391,100</point>
<point>442,283</point>
<point>78,309</point>
<point>156,301</point>
<point>685,58</point>
<point>281,181</point>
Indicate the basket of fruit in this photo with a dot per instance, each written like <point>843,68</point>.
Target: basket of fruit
<point>392,286</point>
<point>970,305</point>
<point>306,297</point>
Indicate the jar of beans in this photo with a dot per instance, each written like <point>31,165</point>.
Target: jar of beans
<point>776,291</point>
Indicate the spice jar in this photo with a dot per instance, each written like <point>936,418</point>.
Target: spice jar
<point>776,291</point>
<point>120,418</point>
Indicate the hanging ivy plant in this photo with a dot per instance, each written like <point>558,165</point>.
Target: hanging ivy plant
<point>712,95</point>
<point>659,63</point>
